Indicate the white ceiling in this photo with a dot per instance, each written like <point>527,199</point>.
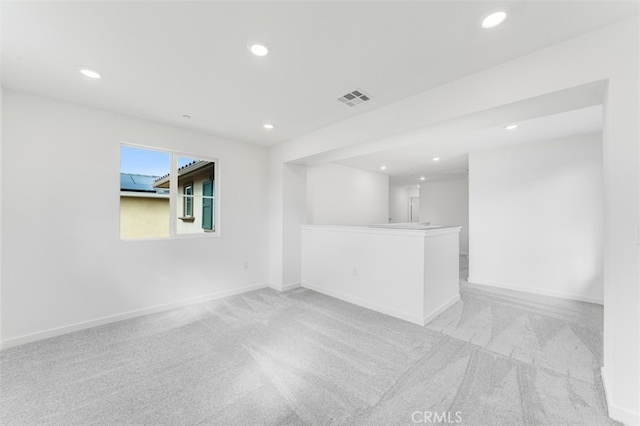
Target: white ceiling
<point>164,59</point>
<point>407,164</point>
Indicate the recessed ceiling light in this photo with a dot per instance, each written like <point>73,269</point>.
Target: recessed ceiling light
<point>186,116</point>
<point>436,158</point>
<point>494,19</point>
<point>422,178</point>
<point>417,186</point>
<point>259,49</point>
<point>511,127</point>
<point>90,72</point>
<point>383,167</point>
<point>268,126</point>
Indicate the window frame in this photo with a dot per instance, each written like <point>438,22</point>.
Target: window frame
<point>190,217</point>
<point>174,193</point>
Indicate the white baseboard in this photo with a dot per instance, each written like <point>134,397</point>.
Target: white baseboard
<point>366,304</point>
<point>627,417</point>
<point>21,340</point>
<point>288,287</point>
<point>562,295</point>
<point>441,309</point>
<point>605,385</point>
<point>285,287</point>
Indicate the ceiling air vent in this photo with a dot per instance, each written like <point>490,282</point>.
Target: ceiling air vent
<point>354,98</point>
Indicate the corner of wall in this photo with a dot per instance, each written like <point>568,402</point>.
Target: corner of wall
<point>616,413</point>
<point>275,286</point>
<point>284,287</point>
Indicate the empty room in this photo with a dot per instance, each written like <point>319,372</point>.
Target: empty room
<point>320,212</point>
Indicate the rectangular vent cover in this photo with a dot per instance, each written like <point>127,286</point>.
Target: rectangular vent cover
<point>354,98</point>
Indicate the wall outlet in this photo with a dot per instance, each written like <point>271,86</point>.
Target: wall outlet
<point>355,272</point>
<point>245,264</point>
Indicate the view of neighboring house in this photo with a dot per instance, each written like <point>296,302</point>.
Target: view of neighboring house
<point>195,203</point>
<point>145,206</point>
<point>144,209</point>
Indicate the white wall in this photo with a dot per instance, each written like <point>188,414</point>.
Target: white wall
<point>447,203</point>
<point>398,204</point>
<point>537,218</point>
<point>341,195</point>
<point>412,275</point>
<point>295,212</point>
<point>1,198</point>
<point>63,261</point>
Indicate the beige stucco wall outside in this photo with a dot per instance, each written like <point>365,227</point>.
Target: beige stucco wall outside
<point>144,217</point>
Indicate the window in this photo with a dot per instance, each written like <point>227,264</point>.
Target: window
<point>187,211</point>
<point>166,194</point>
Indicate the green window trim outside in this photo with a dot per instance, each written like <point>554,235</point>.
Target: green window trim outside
<point>207,205</point>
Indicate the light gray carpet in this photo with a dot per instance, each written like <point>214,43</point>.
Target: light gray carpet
<point>297,358</point>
